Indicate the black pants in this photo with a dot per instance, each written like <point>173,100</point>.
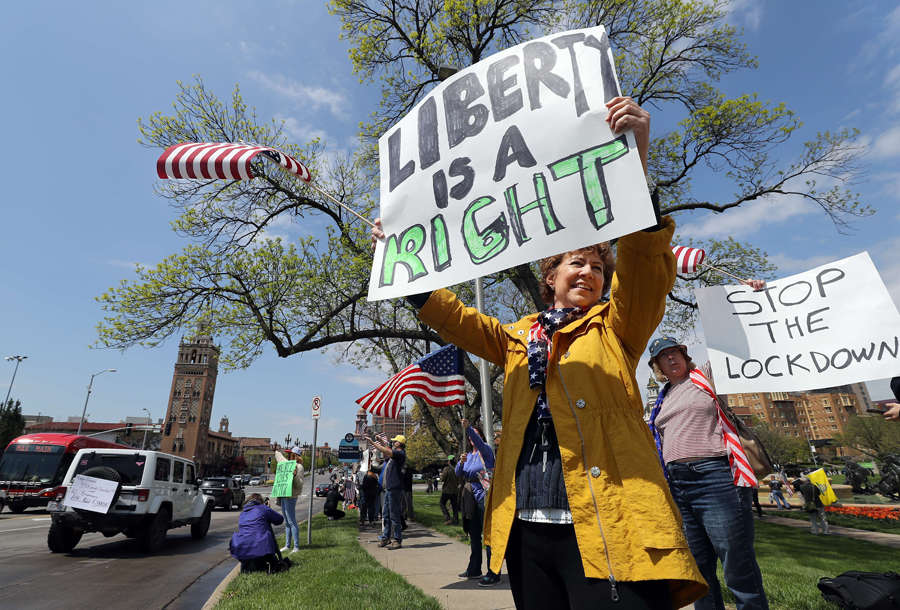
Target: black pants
<point>545,571</point>
<point>454,504</point>
<point>265,563</point>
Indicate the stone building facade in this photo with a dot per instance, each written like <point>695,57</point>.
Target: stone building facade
<point>186,429</point>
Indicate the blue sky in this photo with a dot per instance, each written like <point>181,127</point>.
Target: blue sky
<point>79,210</point>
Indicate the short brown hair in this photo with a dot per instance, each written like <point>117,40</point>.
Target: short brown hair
<point>547,265</point>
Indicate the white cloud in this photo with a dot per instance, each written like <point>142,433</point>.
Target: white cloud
<point>363,381</point>
<point>128,264</point>
<point>749,218</point>
<point>788,265</point>
<point>886,145</point>
<point>300,132</point>
<point>885,255</point>
<point>747,13</point>
<point>302,95</point>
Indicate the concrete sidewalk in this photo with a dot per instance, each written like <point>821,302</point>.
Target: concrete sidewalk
<point>891,540</point>
<point>431,561</point>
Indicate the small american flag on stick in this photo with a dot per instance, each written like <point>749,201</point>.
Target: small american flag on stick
<point>437,379</point>
<point>222,161</point>
<point>688,259</point>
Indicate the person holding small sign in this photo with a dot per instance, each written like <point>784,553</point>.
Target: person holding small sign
<point>289,506</point>
<point>709,476</point>
<point>578,505</point>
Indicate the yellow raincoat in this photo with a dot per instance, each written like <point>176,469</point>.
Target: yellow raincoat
<point>626,523</point>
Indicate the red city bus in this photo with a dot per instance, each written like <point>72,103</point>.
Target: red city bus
<point>34,465</point>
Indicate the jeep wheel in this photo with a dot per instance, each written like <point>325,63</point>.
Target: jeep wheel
<point>62,539</point>
<point>201,525</point>
<point>154,535</point>
<point>17,506</point>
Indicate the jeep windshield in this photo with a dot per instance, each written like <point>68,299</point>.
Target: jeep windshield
<point>130,466</point>
<point>31,463</point>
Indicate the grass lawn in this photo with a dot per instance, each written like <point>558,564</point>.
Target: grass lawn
<point>428,513</point>
<point>843,521</point>
<point>792,561</point>
<point>334,572</point>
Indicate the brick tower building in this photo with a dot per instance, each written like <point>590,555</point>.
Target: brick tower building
<point>191,399</point>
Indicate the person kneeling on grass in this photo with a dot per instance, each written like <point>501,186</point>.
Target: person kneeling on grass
<point>254,543</point>
<point>332,500</point>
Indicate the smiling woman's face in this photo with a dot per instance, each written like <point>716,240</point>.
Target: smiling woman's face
<point>578,280</point>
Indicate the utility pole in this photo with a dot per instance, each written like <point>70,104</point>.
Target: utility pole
<point>316,409</point>
<point>88,397</point>
<point>18,360</point>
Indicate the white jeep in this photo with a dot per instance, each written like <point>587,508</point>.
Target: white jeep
<point>154,492</point>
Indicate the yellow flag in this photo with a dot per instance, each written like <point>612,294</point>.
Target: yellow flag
<point>826,494</point>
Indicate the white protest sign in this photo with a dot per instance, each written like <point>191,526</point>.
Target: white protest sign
<point>830,326</point>
<point>506,162</point>
<point>90,493</point>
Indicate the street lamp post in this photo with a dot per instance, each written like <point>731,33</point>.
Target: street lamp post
<point>88,397</point>
<point>149,423</point>
<point>18,360</point>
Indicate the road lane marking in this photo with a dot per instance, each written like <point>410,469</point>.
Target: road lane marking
<point>19,529</point>
<point>41,519</point>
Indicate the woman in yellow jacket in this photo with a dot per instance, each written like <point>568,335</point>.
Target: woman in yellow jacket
<point>579,506</point>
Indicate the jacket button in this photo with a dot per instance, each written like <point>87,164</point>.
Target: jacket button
<point>580,403</point>
<point>595,471</point>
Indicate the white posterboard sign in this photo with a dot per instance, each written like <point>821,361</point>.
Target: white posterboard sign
<point>508,161</point>
<point>90,493</point>
<point>833,325</point>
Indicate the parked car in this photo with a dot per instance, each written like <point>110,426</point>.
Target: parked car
<point>154,492</point>
<point>322,489</point>
<point>255,481</point>
<point>223,491</point>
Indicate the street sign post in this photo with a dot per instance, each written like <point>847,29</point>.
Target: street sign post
<point>348,449</point>
<point>316,409</point>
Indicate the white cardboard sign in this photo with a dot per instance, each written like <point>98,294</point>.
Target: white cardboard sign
<point>507,161</point>
<point>833,325</point>
<point>90,494</point>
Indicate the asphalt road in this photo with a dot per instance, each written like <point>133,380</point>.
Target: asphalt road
<point>112,572</point>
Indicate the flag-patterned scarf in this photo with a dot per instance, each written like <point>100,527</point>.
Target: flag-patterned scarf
<point>539,336</point>
<point>740,465</point>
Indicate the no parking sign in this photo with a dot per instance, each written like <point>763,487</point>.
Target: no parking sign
<point>316,406</point>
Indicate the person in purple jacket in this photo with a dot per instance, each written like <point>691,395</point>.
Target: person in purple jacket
<point>254,543</point>
<point>473,468</point>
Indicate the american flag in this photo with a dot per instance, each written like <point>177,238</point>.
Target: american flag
<point>221,160</point>
<point>740,464</point>
<point>437,379</point>
<point>688,259</point>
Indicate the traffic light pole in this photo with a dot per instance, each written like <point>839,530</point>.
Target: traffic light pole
<point>312,481</point>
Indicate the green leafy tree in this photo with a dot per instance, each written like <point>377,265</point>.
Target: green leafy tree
<point>12,424</point>
<point>871,436</point>
<point>258,291</point>
<point>783,449</point>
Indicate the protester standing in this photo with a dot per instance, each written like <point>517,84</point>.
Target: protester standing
<point>600,529</point>
<point>715,501</point>
<point>289,507</point>
<point>813,505</point>
<point>776,494</point>
<point>392,533</point>
<point>369,494</point>
<point>472,470</point>
<point>450,491</point>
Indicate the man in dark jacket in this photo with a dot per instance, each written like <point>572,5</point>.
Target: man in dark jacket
<point>393,486</point>
<point>450,491</point>
<point>254,543</point>
<point>370,489</point>
<point>812,504</point>
<point>332,500</point>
